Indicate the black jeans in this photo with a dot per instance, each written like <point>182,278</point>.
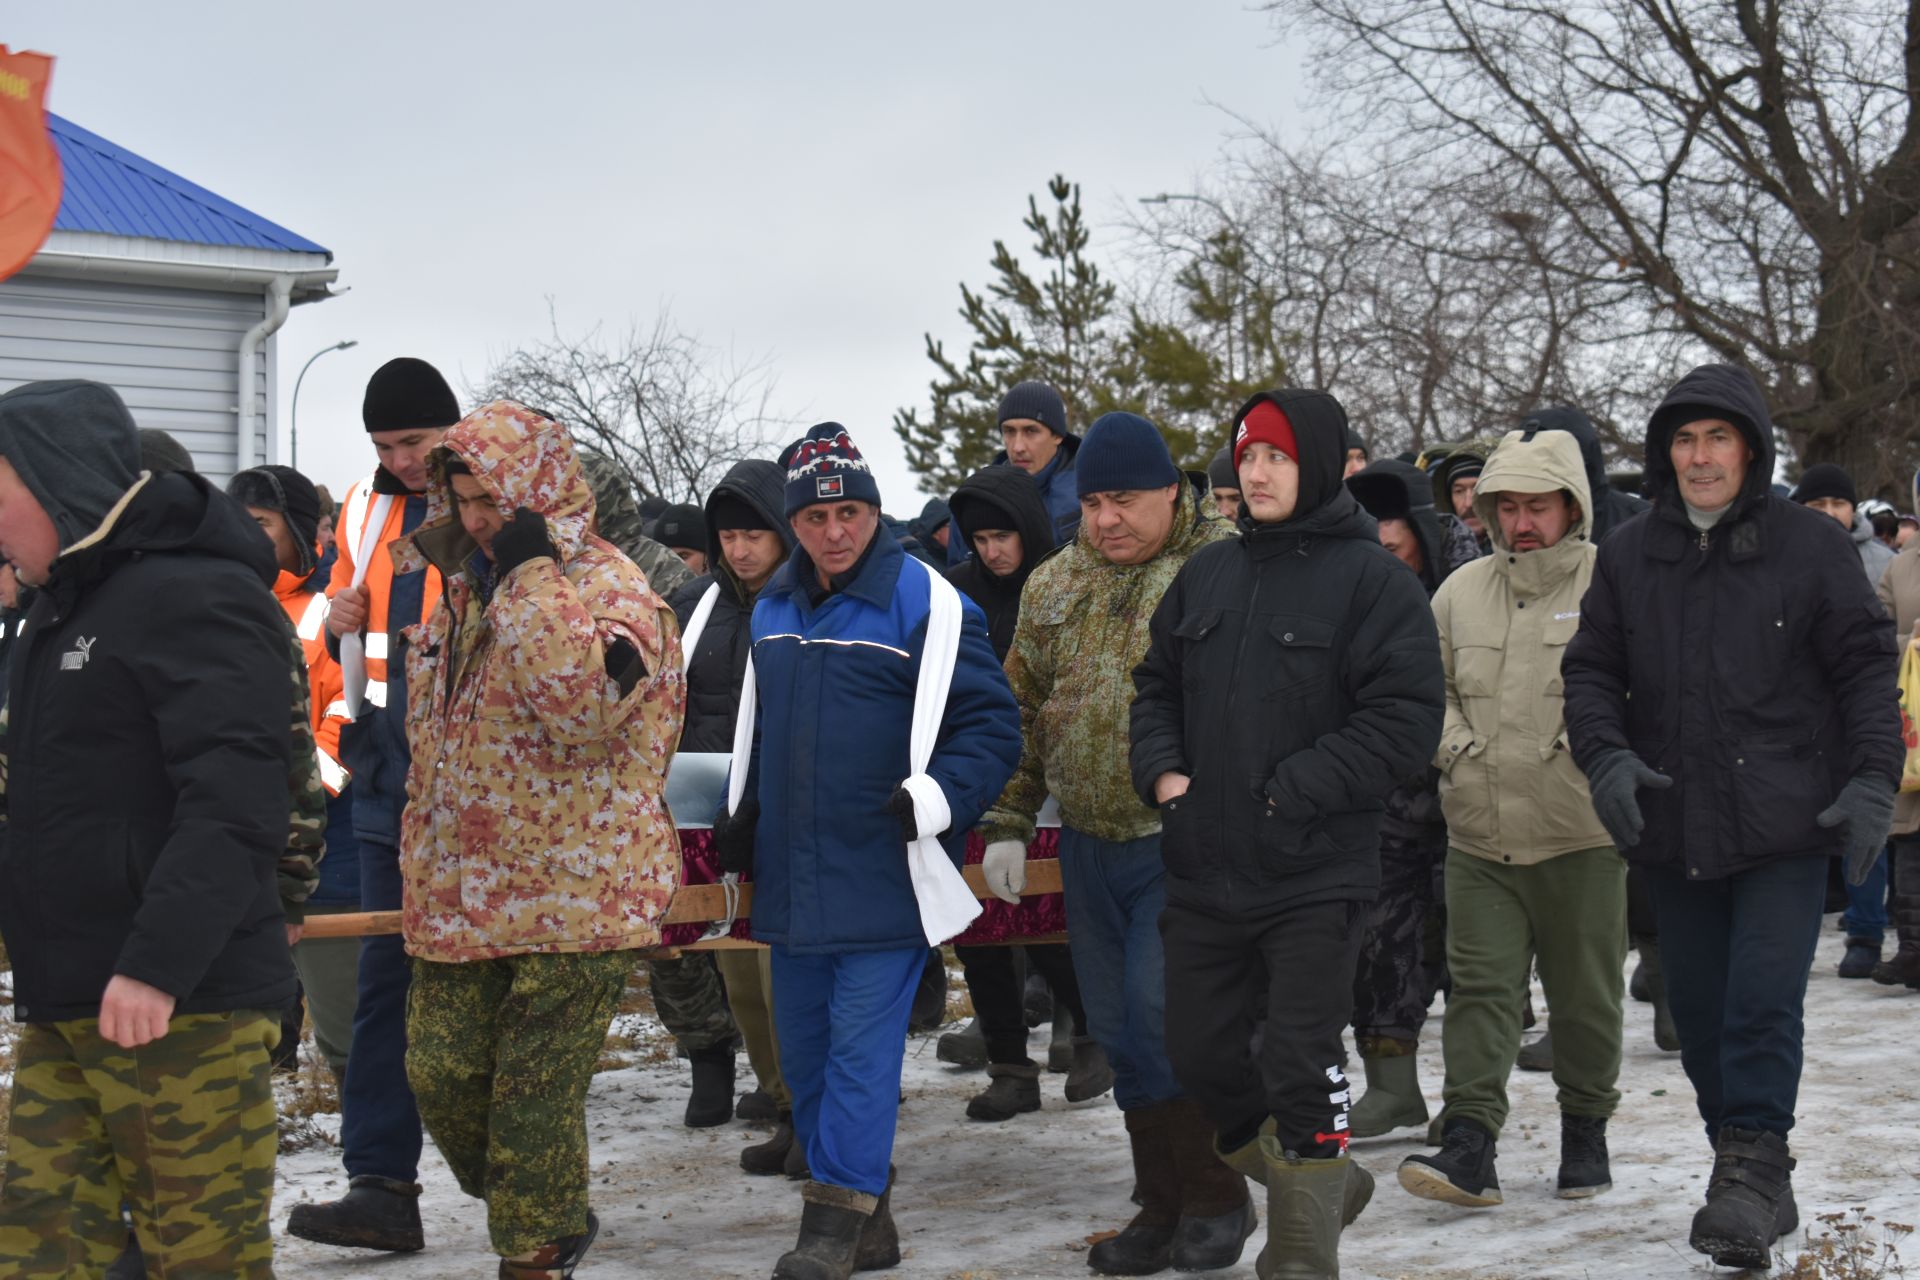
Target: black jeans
<point>999,995</point>
<point>1294,969</point>
<point>1736,954</point>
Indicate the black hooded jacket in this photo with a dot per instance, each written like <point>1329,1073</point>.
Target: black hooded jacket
<point>1394,490</point>
<point>1012,491</point>
<point>1294,674</point>
<point>1751,663</point>
<point>1611,508</point>
<point>715,671</point>
<point>146,796</point>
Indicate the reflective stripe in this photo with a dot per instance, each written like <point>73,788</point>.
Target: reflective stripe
<point>377,692</point>
<point>332,776</point>
<point>338,707</point>
<point>314,618</point>
<point>376,646</point>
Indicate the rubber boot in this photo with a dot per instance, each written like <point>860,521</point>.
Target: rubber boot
<point>1749,1200</point>
<point>1037,998</point>
<point>1861,956</point>
<point>554,1261</point>
<point>1145,1245</point>
<point>710,1102</point>
<point>1393,1099</point>
<point>879,1246</point>
<point>1216,1214</point>
<point>966,1047</point>
<point>1060,1047</point>
<point>756,1107</point>
<point>376,1213</point>
<point>831,1219</point>
<point>1250,1161</point>
<point>1903,908</point>
<point>1015,1088</point>
<point>1665,1034</point>
<point>1305,1200</point>
<point>1092,1074</point>
<point>1536,1055</point>
<point>1461,1172</point>
<point>764,1159</point>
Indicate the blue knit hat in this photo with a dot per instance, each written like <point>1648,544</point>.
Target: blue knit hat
<point>1123,451</point>
<point>823,466</point>
<point>1036,402</point>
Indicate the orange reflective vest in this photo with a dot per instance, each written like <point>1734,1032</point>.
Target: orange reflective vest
<point>368,524</point>
<point>327,709</point>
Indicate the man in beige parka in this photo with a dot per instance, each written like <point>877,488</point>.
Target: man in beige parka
<point>1530,871</point>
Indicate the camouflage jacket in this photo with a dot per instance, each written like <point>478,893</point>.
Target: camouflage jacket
<point>617,518</point>
<point>1082,631</point>
<point>306,797</point>
<point>541,714</point>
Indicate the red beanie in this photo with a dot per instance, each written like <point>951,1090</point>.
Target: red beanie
<point>1265,424</point>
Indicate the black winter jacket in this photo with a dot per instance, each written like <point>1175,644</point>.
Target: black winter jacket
<point>715,672</point>
<point>1294,673</point>
<point>1012,491</point>
<point>1611,508</point>
<point>1751,664</point>
<point>146,799</point>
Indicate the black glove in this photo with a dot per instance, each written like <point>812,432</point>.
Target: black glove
<point>733,836</point>
<point>1614,781</point>
<point>521,539</point>
<point>900,805</point>
<point>1865,807</point>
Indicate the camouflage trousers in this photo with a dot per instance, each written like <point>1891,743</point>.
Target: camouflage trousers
<point>182,1130</point>
<point>691,1000</point>
<point>500,1054</point>
<point>1403,956</point>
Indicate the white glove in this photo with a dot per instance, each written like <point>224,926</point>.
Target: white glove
<point>1005,869</point>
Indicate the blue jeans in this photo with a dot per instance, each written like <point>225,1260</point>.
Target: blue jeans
<point>379,1124</point>
<point>842,1020</point>
<point>1736,954</point>
<point>1866,914</point>
<point>1115,893</point>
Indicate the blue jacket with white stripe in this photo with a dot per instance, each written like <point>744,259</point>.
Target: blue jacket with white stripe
<point>836,685</point>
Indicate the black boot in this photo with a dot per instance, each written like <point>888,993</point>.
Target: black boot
<point>1060,1045</point>
<point>1749,1200</point>
<point>830,1223</point>
<point>1037,997</point>
<point>1145,1245</point>
<point>966,1047</point>
<point>1903,967</point>
<point>1584,1170</point>
<point>1092,1074</point>
<point>555,1261</point>
<point>711,1100</point>
<point>1861,956</point>
<point>1461,1172</point>
<point>756,1107</point>
<point>930,997</point>
<point>1536,1055</point>
<point>376,1213</point>
<point>796,1166</point>
<point>770,1157</point>
<point>1014,1088</point>
<point>879,1246</point>
<point>1216,1214</point>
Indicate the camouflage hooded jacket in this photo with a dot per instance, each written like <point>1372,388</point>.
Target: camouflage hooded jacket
<point>536,817</point>
<point>1082,631</point>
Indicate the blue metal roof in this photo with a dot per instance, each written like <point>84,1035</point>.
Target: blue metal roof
<point>109,190</point>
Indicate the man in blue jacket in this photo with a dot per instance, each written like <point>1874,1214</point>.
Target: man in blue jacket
<point>838,636</point>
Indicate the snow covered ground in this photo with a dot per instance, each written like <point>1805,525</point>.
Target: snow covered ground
<point>993,1202</point>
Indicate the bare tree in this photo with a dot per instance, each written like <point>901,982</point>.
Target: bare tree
<point>1750,167</point>
<point>673,412</point>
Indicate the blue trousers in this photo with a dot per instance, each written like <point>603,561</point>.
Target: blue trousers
<point>1736,954</point>
<point>1115,893</point>
<point>379,1124</point>
<point>1866,914</point>
<point>842,1020</point>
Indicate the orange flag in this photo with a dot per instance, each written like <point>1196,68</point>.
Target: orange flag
<point>29,165</point>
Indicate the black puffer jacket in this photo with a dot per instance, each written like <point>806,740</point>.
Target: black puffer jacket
<point>720,664</point>
<point>147,745</point>
<point>1751,664</point>
<point>1294,674</point>
<point>1611,508</point>
<point>1394,490</point>
<point>1013,492</point>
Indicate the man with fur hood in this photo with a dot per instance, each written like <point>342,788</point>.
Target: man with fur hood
<point>1730,695</point>
<point>545,699</point>
<point>1292,681</point>
<point>1530,870</point>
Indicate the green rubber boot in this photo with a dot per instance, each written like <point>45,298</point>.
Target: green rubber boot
<point>1393,1099</point>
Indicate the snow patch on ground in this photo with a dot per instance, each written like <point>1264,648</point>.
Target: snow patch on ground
<point>993,1202</point>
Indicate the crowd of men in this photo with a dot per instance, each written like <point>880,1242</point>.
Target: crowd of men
<point>1326,737</point>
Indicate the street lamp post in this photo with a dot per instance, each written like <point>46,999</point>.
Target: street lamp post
<point>293,432</point>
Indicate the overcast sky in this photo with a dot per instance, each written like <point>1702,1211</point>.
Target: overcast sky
<point>803,183</point>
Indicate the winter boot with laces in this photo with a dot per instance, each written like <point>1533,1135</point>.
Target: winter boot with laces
<point>966,1047</point>
<point>710,1102</point>
<point>376,1213</point>
<point>1015,1088</point>
<point>1092,1074</point>
<point>1393,1099</point>
<point>554,1261</point>
<point>1749,1200</point>
<point>1145,1245</point>
<point>1461,1172</point>
<point>1584,1170</point>
<point>763,1159</point>
<point>831,1220</point>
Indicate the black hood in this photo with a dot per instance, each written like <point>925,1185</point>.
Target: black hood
<point>1394,490</point>
<point>1320,431</point>
<point>181,512</point>
<point>74,446</point>
<point>1014,492</point>
<point>762,485</point>
<point>1711,391</point>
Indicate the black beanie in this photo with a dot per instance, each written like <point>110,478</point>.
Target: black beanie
<point>979,511</point>
<point>1037,402</point>
<point>1824,480</point>
<point>726,511</point>
<point>1220,472</point>
<point>405,393</point>
<point>681,526</point>
<point>74,446</point>
<point>1354,441</point>
<point>282,489</point>
<point>161,454</point>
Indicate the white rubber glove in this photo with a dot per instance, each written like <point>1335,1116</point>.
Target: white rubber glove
<point>1005,869</point>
